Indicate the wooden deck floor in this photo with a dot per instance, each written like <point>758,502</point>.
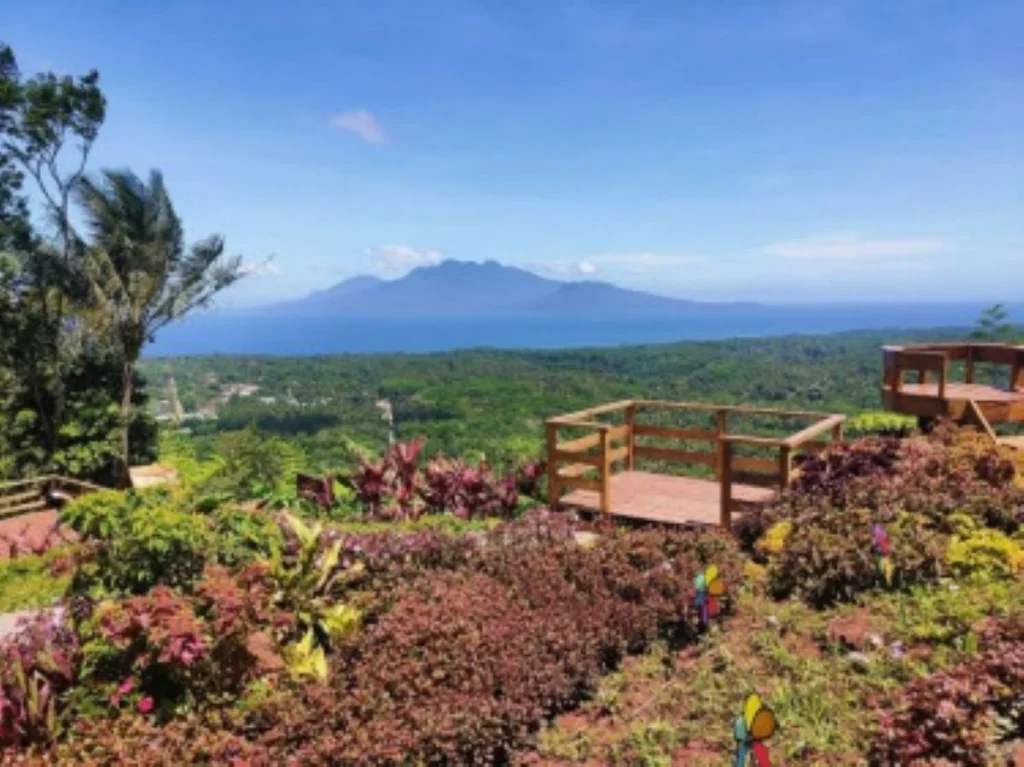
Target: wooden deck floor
<point>1017,443</point>
<point>964,391</point>
<point>660,498</point>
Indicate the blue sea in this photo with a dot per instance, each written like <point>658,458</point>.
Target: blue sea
<point>253,333</point>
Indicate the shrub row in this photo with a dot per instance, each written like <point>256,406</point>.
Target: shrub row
<point>397,488</point>
<point>466,663</point>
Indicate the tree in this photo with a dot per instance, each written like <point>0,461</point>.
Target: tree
<point>994,326</point>
<point>47,124</point>
<point>140,272</point>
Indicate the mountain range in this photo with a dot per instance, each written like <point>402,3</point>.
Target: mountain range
<point>466,289</point>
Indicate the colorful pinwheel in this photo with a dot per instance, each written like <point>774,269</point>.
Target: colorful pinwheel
<point>754,726</point>
<point>709,588</point>
<point>882,548</point>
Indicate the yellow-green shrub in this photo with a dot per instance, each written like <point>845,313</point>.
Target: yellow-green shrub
<point>985,553</point>
<point>774,539</point>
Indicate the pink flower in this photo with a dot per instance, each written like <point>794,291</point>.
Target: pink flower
<point>126,686</point>
<point>146,705</point>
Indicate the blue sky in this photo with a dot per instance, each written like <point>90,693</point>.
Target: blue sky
<point>781,151</point>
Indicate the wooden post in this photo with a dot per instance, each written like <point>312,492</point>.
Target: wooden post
<point>725,482</point>
<point>553,488</point>
<point>606,472</point>
<point>721,428</point>
<point>785,466</point>
<point>630,439</point>
<point>837,433</point>
<point>969,366</point>
<point>1017,373</point>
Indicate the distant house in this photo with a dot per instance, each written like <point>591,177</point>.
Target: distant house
<point>227,391</point>
<point>152,475</point>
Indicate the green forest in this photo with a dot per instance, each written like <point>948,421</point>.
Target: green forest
<point>492,404</point>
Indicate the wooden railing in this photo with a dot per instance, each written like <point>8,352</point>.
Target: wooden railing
<point>590,461</point>
<point>24,496</point>
<point>928,359</point>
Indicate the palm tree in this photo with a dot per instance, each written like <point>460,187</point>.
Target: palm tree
<point>140,272</point>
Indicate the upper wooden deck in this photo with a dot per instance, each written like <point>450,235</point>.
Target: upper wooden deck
<point>601,471</point>
<point>935,393</point>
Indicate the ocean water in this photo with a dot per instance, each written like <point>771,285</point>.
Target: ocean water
<point>251,333</point>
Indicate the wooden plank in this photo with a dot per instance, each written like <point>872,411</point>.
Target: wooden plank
<point>616,433</point>
<point>606,472</point>
<point>997,354</point>
<point>599,410</point>
<point>756,478</point>
<point>665,432</point>
<point>725,483</point>
<point>580,445</point>
<point>974,416</point>
<point>582,483</point>
<point>721,429</point>
<point>705,407</point>
<point>751,441</point>
<point>554,486</point>
<point>14,499</point>
<point>591,459</point>
<point>618,454</point>
<point>21,484</point>
<point>934,362</point>
<point>676,456</point>
<point>631,438</point>
<point>760,465</point>
<point>740,506</point>
<point>575,470</point>
<point>813,447</point>
<point>24,508</point>
<point>812,431</point>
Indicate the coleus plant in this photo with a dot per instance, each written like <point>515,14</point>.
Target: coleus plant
<point>37,665</point>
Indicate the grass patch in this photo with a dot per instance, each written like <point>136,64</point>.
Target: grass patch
<point>662,708</point>
<point>443,523</point>
<point>27,582</point>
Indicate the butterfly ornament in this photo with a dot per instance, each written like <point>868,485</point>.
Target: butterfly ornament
<point>755,725</point>
<point>882,550</point>
<point>710,586</point>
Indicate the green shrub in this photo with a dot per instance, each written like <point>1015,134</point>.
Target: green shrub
<point>136,541</point>
<point>244,535</point>
<point>829,556</point>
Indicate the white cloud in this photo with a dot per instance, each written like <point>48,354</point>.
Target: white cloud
<point>362,123</point>
<point>625,263</point>
<point>849,246</point>
<point>262,269</point>
<point>401,258</point>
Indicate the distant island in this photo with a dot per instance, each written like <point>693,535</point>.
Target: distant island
<point>466,289</point>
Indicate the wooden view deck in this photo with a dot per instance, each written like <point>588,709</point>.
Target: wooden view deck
<point>599,469</point>
<point>649,497</point>
<point>934,394</point>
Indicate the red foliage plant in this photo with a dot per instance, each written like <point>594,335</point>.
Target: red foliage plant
<point>395,488</point>
<point>465,665</point>
<point>949,716</point>
<point>37,664</point>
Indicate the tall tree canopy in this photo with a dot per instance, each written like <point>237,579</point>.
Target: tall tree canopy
<point>76,308</point>
<point>141,274</point>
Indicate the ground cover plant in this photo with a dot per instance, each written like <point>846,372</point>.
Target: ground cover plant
<point>262,635</point>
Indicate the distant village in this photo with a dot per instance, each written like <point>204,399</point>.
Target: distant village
<point>169,407</point>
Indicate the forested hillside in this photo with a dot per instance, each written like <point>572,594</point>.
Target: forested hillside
<point>494,403</point>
